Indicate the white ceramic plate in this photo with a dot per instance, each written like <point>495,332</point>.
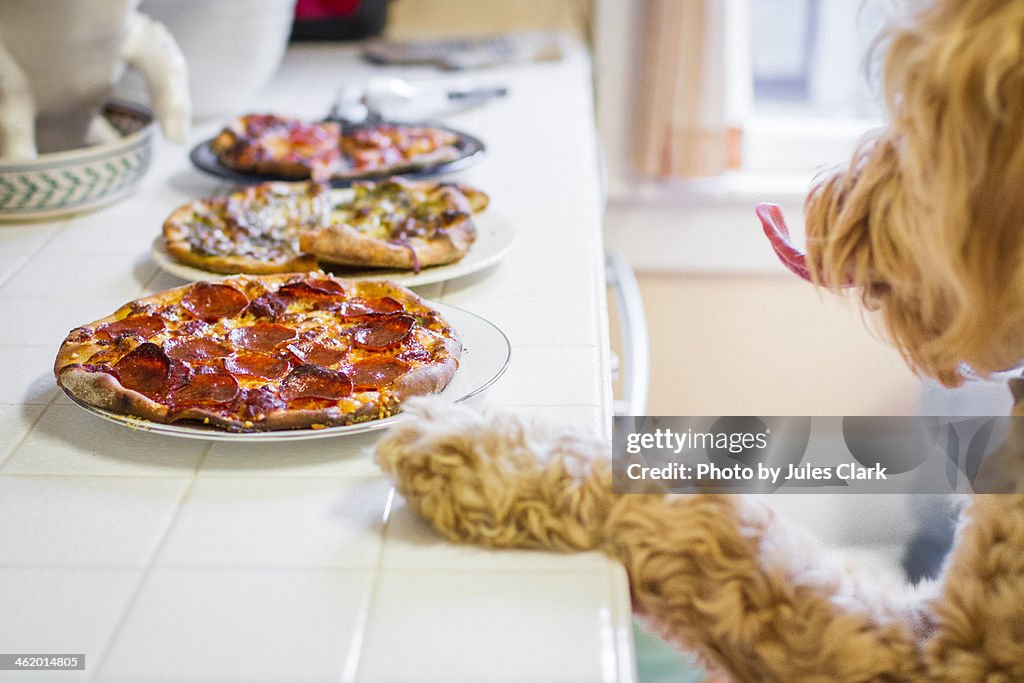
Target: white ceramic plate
<point>495,237</point>
<point>485,357</point>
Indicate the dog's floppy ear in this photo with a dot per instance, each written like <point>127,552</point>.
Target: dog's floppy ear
<point>928,217</point>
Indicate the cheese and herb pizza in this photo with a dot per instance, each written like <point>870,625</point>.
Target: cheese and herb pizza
<point>291,148</point>
<point>254,230</point>
<point>262,353</point>
<point>397,224</point>
<point>292,227</point>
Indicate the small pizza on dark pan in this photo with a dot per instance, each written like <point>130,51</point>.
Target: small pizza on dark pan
<point>280,146</point>
<point>291,148</point>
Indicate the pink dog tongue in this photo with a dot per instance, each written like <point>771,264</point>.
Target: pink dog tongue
<point>778,234</point>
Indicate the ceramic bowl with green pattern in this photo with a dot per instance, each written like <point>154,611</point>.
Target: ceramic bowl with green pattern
<point>78,180</point>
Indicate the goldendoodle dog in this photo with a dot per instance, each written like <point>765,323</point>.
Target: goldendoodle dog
<point>928,221</point>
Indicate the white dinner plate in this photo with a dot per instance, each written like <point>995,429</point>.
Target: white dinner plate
<point>494,238</point>
<point>485,357</point>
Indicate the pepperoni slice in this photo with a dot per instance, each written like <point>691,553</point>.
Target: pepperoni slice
<point>325,285</point>
<point>311,381</point>
<point>209,301</point>
<point>383,333</point>
<point>194,349</point>
<point>317,354</point>
<point>260,337</point>
<point>313,290</point>
<point>270,305</point>
<point>257,365</point>
<point>144,326</point>
<point>144,370</point>
<point>371,374</point>
<point>179,376</point>
<point>208,387</point>
<point>358,307</point>
<point>259,401</point>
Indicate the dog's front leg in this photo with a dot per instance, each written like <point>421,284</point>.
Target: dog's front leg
<point>722,575</point>
<point>980,629</point>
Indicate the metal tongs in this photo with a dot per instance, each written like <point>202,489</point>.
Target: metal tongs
<point>395,99</point>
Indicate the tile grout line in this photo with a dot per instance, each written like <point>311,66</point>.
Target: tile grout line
<point>624,650</point>
<point>53,399</point>
<point>19,263</point>
<point>448,569</point>
<point>24,437</point>
<point>354,656</point>
<point>34,252</point>
<point>156,273</point>
<point>603,332</point>
<point>137,590</point>
<point>361,478</point>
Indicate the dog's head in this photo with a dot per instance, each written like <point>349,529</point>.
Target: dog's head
<point>928,218</point>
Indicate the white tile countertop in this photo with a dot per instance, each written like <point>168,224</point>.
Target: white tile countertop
<point>181,560</point>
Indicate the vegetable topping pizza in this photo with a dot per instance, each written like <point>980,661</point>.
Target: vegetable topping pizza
<point>262,353</point>
<point>291,227</point>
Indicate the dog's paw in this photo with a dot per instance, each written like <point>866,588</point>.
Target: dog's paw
<point>497,479</point>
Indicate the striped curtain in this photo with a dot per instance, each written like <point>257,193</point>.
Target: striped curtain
<point>695,89</point>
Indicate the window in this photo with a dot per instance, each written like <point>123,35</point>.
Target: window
<point>809,57</point>
<point>810,97</point>
<point>814,95</point>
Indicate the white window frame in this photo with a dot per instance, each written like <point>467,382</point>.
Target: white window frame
<point>708,221</point>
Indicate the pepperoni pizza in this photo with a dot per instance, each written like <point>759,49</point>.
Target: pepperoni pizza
<point>262,353</point>
<point>292,148</point>
<point>280,146</point>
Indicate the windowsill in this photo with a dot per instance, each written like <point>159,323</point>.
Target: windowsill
<point>708,225</point>
<point>703,226</point>
<point>736,188</point>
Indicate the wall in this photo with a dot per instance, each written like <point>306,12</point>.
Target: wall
<point>766,345</point>
<point>452,18</point>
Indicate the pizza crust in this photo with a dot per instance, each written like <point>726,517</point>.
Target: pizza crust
<point>104,391</point>
<point>234,265</point>
<point>239,150</point>
<point>182,226</point>
<point>347,245</point>
<point>344,245</point>
<point>289,148</point>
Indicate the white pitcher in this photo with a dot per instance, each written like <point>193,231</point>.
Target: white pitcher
<point>59,60</point>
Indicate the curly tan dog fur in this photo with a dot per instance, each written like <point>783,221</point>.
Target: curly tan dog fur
<point>929,216</point>
<point>720,575</point>
<point>928,219</point>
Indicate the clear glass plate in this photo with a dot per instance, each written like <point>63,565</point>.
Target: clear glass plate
<point>485,357</point>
